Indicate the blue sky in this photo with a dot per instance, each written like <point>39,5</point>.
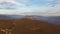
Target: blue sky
<point>31,7</point>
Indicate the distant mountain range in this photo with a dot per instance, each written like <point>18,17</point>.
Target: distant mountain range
<point>10,17</point>
<point>49,19</point>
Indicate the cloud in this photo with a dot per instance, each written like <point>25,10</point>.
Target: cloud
<point>7,12</point>
<point>8,4</point>
<point>44,11</point>
<point>50,10</point>
<point>9,1</point>
<point>24,0</point>
<point>33,10</point>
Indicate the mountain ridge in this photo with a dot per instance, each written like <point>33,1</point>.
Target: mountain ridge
<point>49,19</point>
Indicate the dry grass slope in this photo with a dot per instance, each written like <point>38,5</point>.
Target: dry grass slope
<point>28,26</point>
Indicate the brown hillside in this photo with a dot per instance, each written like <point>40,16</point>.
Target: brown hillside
<point>6,23</point>
<point>28,26</point>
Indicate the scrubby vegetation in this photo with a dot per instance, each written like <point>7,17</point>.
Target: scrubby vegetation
<point>28,26</point>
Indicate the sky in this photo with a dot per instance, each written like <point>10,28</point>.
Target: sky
<point>30,7</point>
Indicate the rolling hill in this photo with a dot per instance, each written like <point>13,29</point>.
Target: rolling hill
<point>29,26</point>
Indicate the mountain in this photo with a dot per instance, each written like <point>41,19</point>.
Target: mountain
<point>10,17</point>
<point>54,19</point>
<point>29,26</point>
<point>49,19</point>
<point>4,17</point>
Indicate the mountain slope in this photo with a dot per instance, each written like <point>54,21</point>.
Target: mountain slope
<point>28,26</point>
<point>50,19</point>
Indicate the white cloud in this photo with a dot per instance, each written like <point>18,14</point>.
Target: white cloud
<point>24,0</point>
<point>44,11</point>
<point>9,1</point>
<point>31,10</point>
<point>8,12</point>
<point>9,4</point>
